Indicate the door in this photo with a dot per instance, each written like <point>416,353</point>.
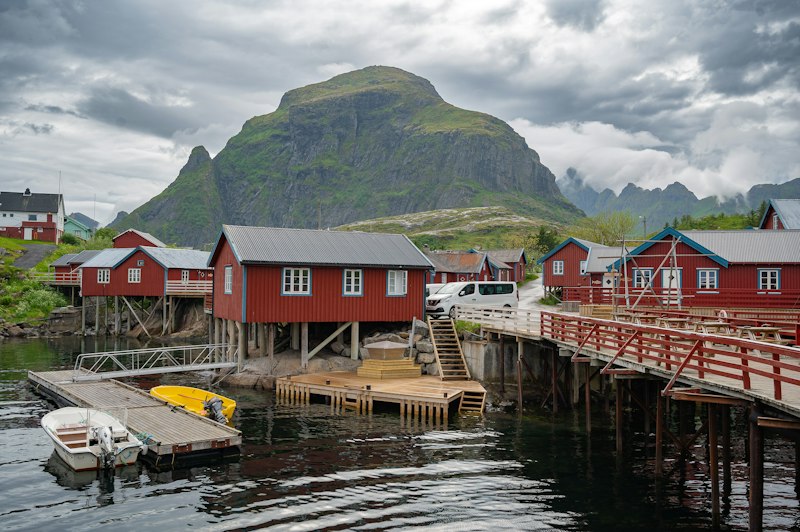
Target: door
<point>671,282</point>
<point>444,277</point>
<point>28,233</point>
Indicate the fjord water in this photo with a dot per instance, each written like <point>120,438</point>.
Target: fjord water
<point>302,468</point>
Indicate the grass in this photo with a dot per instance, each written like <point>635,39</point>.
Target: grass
<point>549,299</point>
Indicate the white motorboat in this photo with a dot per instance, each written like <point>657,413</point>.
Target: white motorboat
<point>88,439</point>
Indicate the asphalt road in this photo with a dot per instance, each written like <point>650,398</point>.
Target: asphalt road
<point>33,255</point>
<point>531,293</point>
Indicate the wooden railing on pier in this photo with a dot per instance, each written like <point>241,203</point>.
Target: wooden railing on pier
<point>189,288</point>
<point>748,368</point>
<point>58,278</point>
<point>688,297</point>
<point>517,321</point>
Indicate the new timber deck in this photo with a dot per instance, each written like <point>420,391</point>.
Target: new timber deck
<point>170,433</point>
<point>425,397</point>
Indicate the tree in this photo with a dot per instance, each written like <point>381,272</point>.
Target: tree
<point>607,228</point>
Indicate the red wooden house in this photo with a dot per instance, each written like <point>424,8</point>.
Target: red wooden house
<point>266,275</point>
<point>781,214</point>
<point>514,258</point>
<point>565,266</point>
<point>134,238</point>
<point>456,266</point>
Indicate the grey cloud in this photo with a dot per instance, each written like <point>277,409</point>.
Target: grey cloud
<point>582,14</point>
<point>52,109</point>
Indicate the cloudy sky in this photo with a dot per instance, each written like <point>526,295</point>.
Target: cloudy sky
<point>113,95</point>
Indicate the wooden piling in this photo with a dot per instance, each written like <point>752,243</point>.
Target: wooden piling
<point>618,415</point>
<point>554,379</point>
<point>502,365</point>
<point>713,464</point>
<point>756,438</point>
<point>726,450</point>
<point>659,435</point>
<point>587,397</point>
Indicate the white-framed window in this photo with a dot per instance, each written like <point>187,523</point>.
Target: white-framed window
<point>228,288</point>
<point>642,277</point>
<point>297,281</point>
<point>185,276</point>
<point>103,276</point>
<point>558,267</point>
<point>353,283</point>
<point>134,275</point>
<point>707,279</point>
<point>769,279</point>
<point>396,282</point>
<point>775,220</point>
<point>583,267</point>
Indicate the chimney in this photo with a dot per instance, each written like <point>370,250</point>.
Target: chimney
<point>27,192</point>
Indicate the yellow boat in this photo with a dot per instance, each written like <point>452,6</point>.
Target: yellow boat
<point>197,401</point>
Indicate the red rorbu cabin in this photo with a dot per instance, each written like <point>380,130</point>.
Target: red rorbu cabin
<point>514,258</point>
<point>781,214</point>
<point>133,238</point>
<point>267,275</point>
<point>456,266</point>
<point>565,266</point>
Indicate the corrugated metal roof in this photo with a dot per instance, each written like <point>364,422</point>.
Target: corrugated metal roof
<point>273,245</point>
<point>85,255</point>
<point>19,202</point>
<point>63,260</point>
<point>509,256</point>
<point>498,263</point>
<point>457,261</point>
<point>174,258</point>
<point>146,236</point>
<point>751,246</point>
<point>107,258</point>
<point>789,212</point>
<point>600,257</point>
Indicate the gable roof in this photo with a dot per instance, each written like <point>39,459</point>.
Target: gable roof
<point>84,256</point>
<point>788,211</point>
<point>108,258</point>
<point>673,234</point>
<point>457,261</point>
<point>175,258</point>
<point>509,256</point>
<point>583,244</point>
<point>498,263</point>
<point>63,260</point>
<point>147,236</point>
<point>81,225</point>
<point>18,201</point>
<point>600,257</point>
<point>274,245</point>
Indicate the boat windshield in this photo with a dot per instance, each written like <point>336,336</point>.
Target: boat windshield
<point>450,288</point>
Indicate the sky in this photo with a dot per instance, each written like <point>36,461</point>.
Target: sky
<point>107,98</point>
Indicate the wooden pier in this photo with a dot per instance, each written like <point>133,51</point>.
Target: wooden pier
<point>170,433</point>
<point>426,398</point>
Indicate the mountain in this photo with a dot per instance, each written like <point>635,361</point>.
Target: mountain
<point>374,142</point>
<point>121,215</point>
<point>659,206</point>
<point>85,220</point>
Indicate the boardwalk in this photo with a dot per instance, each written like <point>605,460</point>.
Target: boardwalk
<point>170,433</point>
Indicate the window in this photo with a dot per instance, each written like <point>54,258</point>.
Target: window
<point>775,221</point>
<point>769,279</point>
<point>396,281</point>
<point>228,280</point>
<point>642,278</point>
<point>134,275</point>
<point>468,290</point>
<point>103,276</point>
<point>297,281</point>
<point>352,283</point>
<point>31,217</point>
<point>558,267</point>
<point>583,267</point>
<point>140,262</point>
<point>707,279</point>
<point>185,276</point>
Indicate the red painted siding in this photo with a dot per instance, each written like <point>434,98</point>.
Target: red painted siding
<point>768,220</point>
<point>227,306</point>
<point>152,279</point>
<point>572,255</point>
<point>174,274</point>
<point>46,231</point>
<point>131,240</point>
<point>265,304</point>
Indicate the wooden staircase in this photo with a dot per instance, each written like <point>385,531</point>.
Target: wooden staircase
<point>472,401</point>
<point>447,348</point>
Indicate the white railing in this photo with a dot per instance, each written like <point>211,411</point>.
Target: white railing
<point>129,363</point>
<point>177,288</point>
<point>520,321</point>
<point>58,278</point>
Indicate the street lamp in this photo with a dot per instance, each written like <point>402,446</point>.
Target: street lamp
<point>644,221</point>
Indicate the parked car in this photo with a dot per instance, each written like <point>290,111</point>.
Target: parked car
<point>486,293</point>
<point>433,288</point>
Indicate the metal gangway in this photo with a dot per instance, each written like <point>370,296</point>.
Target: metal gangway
<point>152,361</point>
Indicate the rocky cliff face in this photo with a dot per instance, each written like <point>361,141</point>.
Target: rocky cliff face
<point>374,142</point>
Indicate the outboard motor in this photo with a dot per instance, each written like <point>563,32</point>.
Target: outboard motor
<point>214,410</point>
<point>106,444</point>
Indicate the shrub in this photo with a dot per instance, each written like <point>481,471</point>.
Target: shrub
<point>70,239</point>
<point>549,299</point>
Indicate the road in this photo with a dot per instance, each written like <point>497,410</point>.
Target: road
<point>531,293</point>
<point>33,255</point>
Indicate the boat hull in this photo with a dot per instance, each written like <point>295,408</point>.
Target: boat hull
<point>192,399</point>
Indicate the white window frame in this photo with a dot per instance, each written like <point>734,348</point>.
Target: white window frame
<point>775,220</point>
<point>296,282</point>
<point>353,282</point>
<point>228,280</point>
<point>185,276</point>
<point>640,280</point>
<point>558,267</point>
<point>396,283</point>
<point>710,275</point>
<point>103,276</point>
<point>134,275</point>
<point>773,280</point>
<point>583,267</point>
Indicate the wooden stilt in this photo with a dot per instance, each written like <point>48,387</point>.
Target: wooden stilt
<point>713,464</point>
<point>659,434</point>
<point>97,316</point>
<point>519,383</point>
<point>262,338</point>
<point>116,316</point>
<point>354,339</point>
<point>83,317</point>
<point>271,346</point>
<point>502,365</point>
<point>554,378</point>
<point>304,344</point>
<point>726,451</point>
<point>587,398</point>
<point>618,415</point>
<point>295,335</point>
<point>242,344</point>
<point>756,438</point>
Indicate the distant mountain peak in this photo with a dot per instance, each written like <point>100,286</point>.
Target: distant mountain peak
<point>197,158</point>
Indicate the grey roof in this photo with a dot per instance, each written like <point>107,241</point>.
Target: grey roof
<point>750,246</point>
<point>147,236</point>
<point>63,260</point>
<point>457,261</point>
<point>84,256</point>
<point>107,258</point>
<point>273,245</point>
<point>18,201</point>
<point>509,256</point>
<point>600,257</point>
<point>789,212</point>
<point>174,258</point>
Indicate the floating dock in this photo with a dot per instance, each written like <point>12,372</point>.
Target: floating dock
<point>170,433</point>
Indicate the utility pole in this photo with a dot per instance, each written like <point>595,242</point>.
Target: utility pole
<point>644,221</point>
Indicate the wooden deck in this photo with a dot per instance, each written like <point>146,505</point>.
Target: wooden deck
<point>424,397</point>
<point>170,433</point>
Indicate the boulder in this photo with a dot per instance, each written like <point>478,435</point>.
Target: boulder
<point>426,358</point>
<point>421,327</point>
<point>430,369</point>
<point>423,346</point>
<point>363,353</point>
<point>388,337</point>
<point>337,347</point>
<point>15,331</point>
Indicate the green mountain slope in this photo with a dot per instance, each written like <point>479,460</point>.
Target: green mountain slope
<point>374,142</point>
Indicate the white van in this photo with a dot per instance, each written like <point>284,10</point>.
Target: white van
<point>432,288</point>
<point>487,293</point>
